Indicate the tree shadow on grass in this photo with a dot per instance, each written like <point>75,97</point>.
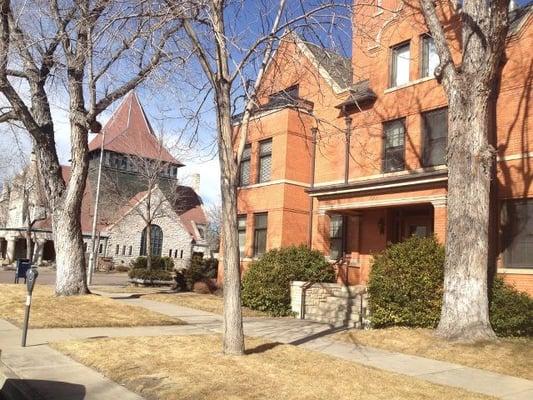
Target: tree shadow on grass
<point>37,389</point>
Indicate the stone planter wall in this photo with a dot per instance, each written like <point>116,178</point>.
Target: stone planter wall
<point>330,303</point>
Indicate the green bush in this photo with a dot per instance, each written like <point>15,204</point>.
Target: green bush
<point>200,270</point>
<point>405,287</point>
<point>163,263</point>
<point>266,284</point>
<point>154,274</point>
<point>511,311</point>
<point>405,284</point>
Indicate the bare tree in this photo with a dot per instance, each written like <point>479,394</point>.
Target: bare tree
<point>228,69</point>
<point>155,193</point>
<point>470,85</point>
<point>98,50</point>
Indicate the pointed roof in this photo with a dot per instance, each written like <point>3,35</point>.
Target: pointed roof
<point>129,132</point>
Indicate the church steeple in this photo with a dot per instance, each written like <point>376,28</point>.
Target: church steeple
<point>129,132</point>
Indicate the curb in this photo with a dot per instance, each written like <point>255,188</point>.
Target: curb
<point>12,387</point>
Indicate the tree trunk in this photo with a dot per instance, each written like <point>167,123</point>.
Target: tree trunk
<point>465,314</point>
<point>233,335</point>
<point>149,246</point>
<point>28,242</point>
<point>71,278</point>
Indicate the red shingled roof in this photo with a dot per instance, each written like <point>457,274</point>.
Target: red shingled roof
<point>129,132</point>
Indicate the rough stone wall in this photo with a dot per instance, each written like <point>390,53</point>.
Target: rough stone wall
<point>330,303</point>
<point>127,233</point>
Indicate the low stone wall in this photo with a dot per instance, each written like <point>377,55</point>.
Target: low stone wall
<point>330,303</point>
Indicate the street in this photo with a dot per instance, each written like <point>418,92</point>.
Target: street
<point>47,277</point>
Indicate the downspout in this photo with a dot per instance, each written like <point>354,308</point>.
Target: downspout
<point>348,131</point>
<point>314,131</point>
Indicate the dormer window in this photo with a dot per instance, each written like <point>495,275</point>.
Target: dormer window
<point>290,93</point>
<point>401,56</point>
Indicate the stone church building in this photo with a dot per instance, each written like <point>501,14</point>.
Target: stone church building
<point>137,170</point>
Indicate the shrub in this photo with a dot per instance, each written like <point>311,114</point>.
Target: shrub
<point>200,270</point>
<point>163,263</point>
<point>266,284</point>
<point>511,311</point>
<point>154,274</point>
<point>405,287</point>
<point>405,284</point>
<point>122,268</point>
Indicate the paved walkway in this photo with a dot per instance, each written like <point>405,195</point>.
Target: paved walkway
<point>38,364</point>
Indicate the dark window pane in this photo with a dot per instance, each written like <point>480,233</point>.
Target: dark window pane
<point>157,241</point>
<point>336,237</point>
<point>241,226</point>
<point>517,233</point>
<point>265,161</point>
<point>244,176</point>
<point>435,131</point>
<point>260,233</point>
<point>393,146</point>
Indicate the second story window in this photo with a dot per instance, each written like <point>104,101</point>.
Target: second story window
<point>401,55</point>
<point>435,136</point>
<point>430,59</point>
<point>394,146</point>
<point>241,228</point>
<point>265,161</point>
<point>260,233</point>
<point>244,173</point>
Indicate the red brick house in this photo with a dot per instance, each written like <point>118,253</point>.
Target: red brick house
<point>349,155</point>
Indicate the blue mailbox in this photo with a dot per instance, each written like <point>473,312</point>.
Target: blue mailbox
<point>23,265</point>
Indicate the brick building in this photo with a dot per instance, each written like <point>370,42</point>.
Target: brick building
<point>131,152</point>
<point>348,155</point>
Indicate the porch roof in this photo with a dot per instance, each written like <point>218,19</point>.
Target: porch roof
<point>381,183</point>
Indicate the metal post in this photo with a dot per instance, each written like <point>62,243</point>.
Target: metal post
<point>31,277</point>
<point>95,214</point>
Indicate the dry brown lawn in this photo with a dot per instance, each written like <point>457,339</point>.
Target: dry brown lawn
<point>506,356</point>
<point>192,368</point>
<point>205,302</point>
<point>50,311</point>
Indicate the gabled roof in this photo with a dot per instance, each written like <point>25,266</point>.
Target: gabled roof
<point>129,132</point>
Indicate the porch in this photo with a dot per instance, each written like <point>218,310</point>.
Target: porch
<point>351,236</point>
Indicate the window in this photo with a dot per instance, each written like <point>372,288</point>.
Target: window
<point>260,233</point>
<point>430,59</point>
<point>400,65</point>
<point>241,228</point>
<point>124,250</point>
<point>117,249</point>
<point>201,230</point>
<point>393,146</point>
<point>517,233</point>
<point>176,253</point>
<point>244,176</point>
<point>435,136</point>
<point>265,161</point>
<point>336,237</point>
<point>157,240</point>
<point>290,93</point>
<point>170,253</point>
<point>85,247</point>
<point>130,251</point>
<point>100,248</point>
<point>181,253</point>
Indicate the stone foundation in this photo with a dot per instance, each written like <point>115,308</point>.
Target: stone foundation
<point>330,303</point>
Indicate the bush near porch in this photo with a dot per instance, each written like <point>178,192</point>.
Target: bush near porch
<point>161,269</point>
<point>406,284</point>
<point>266,284</point>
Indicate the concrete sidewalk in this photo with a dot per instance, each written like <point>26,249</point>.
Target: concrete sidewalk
<point>314,336</point>
<point>39,372</point>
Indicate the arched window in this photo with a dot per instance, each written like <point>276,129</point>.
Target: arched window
<point>157,240</point>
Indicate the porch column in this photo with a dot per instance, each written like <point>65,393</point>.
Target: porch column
<point>38,251</point>
<point>10,250</point>
<point>440,213</point>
